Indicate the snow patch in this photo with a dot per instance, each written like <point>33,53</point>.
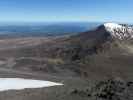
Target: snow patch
<point>119,31</point>
<point>112,25</point>
<point>20,83</point>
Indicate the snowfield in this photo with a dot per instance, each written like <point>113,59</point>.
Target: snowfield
<point>20,83</point>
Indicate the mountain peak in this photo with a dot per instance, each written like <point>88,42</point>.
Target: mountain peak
<point>119,31</point>
<point>112,25</point>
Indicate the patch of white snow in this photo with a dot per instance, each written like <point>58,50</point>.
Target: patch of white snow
<point>119,31</point>
<point>20,83</point>
<point>112,25</point>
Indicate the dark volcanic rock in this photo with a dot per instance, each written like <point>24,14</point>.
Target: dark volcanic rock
<point>110,89</point>
<point>113,89</point>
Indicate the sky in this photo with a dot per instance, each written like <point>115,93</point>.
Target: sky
<point>66,10</point>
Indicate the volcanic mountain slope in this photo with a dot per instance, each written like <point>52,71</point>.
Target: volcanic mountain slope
<point>106,50</point>
<point>104,38</point>
<point>103,51</point>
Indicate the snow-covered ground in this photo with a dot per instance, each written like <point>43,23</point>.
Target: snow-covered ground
<point>119,31</point>
<point>20,83</point>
